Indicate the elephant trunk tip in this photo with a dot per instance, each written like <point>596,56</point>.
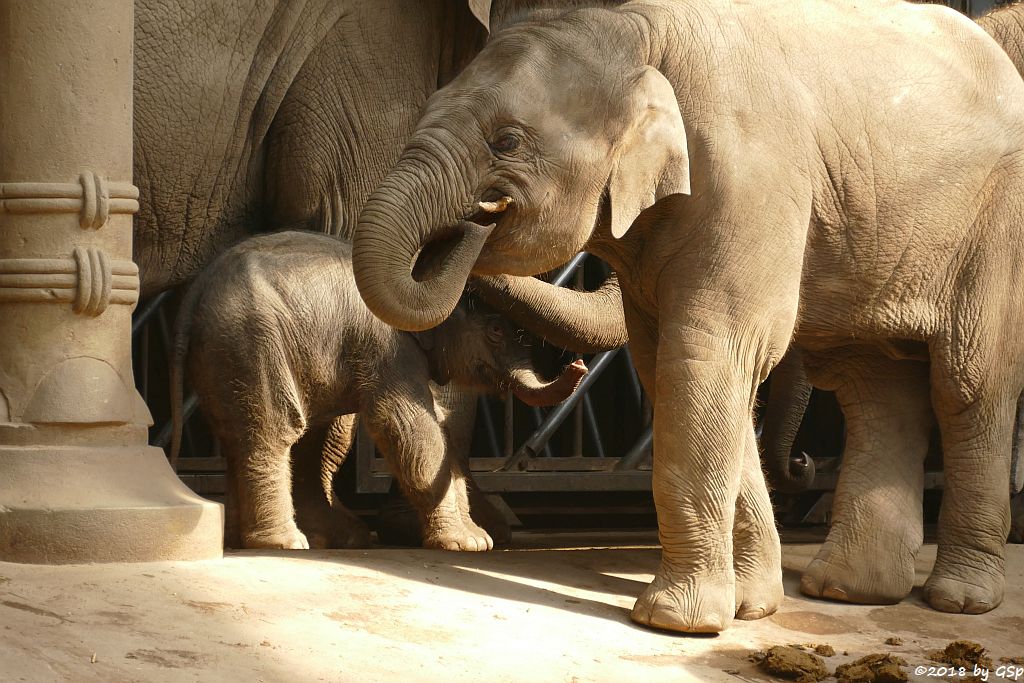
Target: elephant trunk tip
<point>539,395</point>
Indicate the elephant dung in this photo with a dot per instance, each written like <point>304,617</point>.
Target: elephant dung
<point>874,668</point>
<point>790,663</point>
<point>962,653</point>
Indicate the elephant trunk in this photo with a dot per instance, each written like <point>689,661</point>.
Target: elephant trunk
<point>787,400</point>
<point>583,322</point>
<point>411,250</point>
<point>533,391</point>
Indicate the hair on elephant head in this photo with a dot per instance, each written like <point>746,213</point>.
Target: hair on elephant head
<point>477,348</point>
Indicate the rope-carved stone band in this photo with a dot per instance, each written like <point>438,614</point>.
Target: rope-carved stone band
<point>93,198</point>
<point>90,281</point>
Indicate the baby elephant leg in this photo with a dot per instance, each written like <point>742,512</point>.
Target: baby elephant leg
<point>321,516</point>
<point>404,425</point>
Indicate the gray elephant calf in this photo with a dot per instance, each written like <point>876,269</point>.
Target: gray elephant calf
<point>278,340</point>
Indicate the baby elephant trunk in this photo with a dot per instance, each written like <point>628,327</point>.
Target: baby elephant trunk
<point>532,391</point>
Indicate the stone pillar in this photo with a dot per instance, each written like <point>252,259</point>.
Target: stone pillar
<point>78,482</point>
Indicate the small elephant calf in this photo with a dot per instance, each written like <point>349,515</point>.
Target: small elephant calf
<point>277,340</point>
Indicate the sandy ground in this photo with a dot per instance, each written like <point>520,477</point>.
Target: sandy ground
<point>553,608</point>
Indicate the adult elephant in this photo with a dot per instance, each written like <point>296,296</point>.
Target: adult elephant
<point>262,115</point>
<point>1006,25</point>
<point>884,205</point>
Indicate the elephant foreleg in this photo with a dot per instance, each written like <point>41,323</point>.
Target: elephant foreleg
<point>404,425</point>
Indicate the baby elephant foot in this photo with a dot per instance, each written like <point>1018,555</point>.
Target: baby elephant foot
<point>457,536</point>
<point>882,576</point>
<point>971,585</point>
<point>348,531</point>
<point>704,605</point>
<point>287,537</point>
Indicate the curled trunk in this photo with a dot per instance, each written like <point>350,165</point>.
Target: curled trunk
<point>411,250</point>
<point>533,391</point>
<point>787,400</point>
<point>583,322</point>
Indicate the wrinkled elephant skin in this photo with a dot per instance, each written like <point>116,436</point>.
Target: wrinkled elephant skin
<point>735,174</point>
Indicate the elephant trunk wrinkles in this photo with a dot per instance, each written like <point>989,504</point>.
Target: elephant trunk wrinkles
<point>787,400</point>
<point>533,391</point>
<point>412,208</point>
<point>583,322</point>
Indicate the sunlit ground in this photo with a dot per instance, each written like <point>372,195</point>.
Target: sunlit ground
<point>548,611</point>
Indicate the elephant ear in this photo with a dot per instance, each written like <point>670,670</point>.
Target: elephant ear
<point>652,160</point>
<point>481,9</point>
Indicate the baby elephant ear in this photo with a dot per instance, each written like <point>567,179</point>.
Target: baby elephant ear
<point>652,161</point>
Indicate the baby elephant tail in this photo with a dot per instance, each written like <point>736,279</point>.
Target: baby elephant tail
<point>179,350</point>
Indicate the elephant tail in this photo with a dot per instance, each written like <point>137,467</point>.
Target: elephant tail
<point>178,353</point>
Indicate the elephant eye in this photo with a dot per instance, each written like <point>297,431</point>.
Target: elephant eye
<point>505,143</point>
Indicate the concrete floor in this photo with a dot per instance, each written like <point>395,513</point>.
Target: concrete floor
<point>554,608</point>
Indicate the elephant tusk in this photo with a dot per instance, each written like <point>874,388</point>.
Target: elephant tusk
<point>496,207</point>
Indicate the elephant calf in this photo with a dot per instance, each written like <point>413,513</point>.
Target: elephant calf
<point>277,341</point>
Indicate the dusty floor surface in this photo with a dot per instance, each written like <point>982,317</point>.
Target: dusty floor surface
<point>547,610</point>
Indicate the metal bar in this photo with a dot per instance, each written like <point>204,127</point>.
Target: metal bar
<point>568,270</point>
<point>595,433</point>
<point>163,437</point>
<point>637,454</point>
<point>577,415</point>
<point>538,420</point>
<point>501,482</point>
<point>634,381</point>
<point>484,411</point>
<point>147,311</point>
<point>558,414</point>
<point>577,465</point>
<point>508,435</point>
<point>366,480</point>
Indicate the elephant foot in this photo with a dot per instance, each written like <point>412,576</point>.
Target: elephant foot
<point>970,585</point>
<point>465,537</point>
<point>706,605</point>
<point>287,537</point>
<point>398,522</point>
<point>880,575</point>
<point>489,517</point>
<point>334,527</point>
<point>757,564</point>
<point>759,590</point>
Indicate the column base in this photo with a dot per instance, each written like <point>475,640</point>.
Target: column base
<point>65,505</point>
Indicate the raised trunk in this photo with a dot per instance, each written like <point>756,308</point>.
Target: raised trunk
<point>583,322</point>
<point>412,223</point>
<point>533,391</point>
<point>787,401</point>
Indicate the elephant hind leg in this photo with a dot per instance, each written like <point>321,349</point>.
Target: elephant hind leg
<point>321,516</point>
<point>876,529</point>
<point>974,520</point>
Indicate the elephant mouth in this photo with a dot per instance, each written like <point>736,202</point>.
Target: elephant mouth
<point>432,255</point>
<point>487,213</point>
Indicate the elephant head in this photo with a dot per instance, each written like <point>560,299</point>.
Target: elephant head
<point>479,349</point>
<point>510,168</point>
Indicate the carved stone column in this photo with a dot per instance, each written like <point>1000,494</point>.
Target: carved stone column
<point>78,482</point>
